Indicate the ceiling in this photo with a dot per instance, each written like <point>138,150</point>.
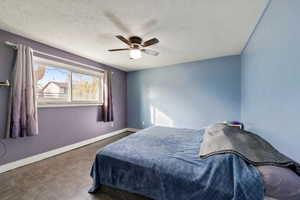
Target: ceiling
<point>188,30</point>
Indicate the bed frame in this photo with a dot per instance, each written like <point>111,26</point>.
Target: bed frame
<point>118,194</point>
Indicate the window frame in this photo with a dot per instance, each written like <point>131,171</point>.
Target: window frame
<point>72,68</point>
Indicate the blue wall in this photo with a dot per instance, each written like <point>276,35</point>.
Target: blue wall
<point>271,78</point>
<point>190,95</point>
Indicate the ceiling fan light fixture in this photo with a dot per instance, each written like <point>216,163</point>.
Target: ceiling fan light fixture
<point>135,53</point>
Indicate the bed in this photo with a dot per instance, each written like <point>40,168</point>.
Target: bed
<point>163,163</point>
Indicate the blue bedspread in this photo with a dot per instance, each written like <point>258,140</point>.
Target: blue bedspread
<point>163,163</point>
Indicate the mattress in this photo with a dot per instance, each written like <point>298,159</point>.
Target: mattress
<point>163,163</point>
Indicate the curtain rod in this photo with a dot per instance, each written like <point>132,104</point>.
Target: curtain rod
<point>14,45</point>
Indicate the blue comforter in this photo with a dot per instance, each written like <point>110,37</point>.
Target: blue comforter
<point>163,163</point>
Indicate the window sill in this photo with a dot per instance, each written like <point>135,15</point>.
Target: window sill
<point>66,105</point>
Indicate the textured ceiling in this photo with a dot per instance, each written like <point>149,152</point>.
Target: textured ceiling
<point>189,30</point>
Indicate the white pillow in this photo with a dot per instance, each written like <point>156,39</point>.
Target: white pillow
<point>280,183</point>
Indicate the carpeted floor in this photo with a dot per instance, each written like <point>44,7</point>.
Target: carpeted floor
<point>62,177</point>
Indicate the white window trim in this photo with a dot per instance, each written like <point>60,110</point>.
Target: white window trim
<point>68,105</point>
<point>91,71</point>
<point>72,67</point>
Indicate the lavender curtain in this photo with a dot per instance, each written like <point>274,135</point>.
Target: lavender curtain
<point>107,114</point>
<point>22,109</point>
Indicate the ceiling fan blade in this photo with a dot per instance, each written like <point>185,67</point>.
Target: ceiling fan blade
<point>117,21</point>
<point>150,52</point>
<point>119,49</point>
<point>151,42</point>
<point>120,37</point>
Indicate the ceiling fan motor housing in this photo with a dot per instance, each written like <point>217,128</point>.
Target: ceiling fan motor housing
<point>135,40</point>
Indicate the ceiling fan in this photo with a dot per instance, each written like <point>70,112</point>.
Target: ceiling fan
<point>137,46</point>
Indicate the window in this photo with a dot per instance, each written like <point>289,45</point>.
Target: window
<point>64,84</point>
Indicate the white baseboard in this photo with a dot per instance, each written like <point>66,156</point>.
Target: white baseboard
<point>133,129</point>
<point>42,156</point>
